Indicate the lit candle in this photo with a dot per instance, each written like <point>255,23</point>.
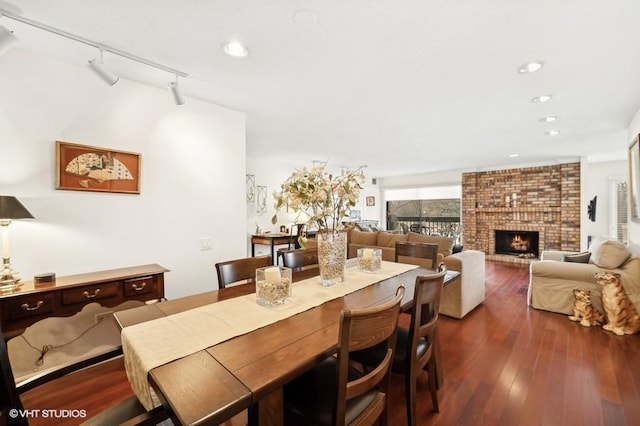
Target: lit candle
<point>272,275</point>
<point>367,253</point>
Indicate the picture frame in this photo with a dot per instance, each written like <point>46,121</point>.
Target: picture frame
<point>371,201</point>
<point>261,199</point>
<point>634,178</point>
<point>96,169</point>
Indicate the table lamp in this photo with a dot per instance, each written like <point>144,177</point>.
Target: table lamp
<point>300,221</point>
<point>10,208</point>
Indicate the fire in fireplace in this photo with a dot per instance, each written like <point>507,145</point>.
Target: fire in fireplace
<point>517,243</point>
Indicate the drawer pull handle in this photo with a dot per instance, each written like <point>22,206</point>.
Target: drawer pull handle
<point>136,288</point>
<point>26,306</point>
<point>91,296</point>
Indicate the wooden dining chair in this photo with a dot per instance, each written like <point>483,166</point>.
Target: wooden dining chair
<point>240,271</point>
<point>419,251</point>
<point>333,392</point>
<point>415,345</point>
<point>12,411</point>
<point>299,259</point>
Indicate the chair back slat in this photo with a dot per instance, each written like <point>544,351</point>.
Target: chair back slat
<point>300,258</point>
<point>240,271</point>
<point>418,251</point>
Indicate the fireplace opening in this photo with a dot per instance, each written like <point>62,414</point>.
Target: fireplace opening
<point>517,243</point>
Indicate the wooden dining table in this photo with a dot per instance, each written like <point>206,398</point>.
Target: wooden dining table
<point>249,371</point>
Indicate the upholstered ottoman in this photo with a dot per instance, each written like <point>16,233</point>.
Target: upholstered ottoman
<point>467,291</point>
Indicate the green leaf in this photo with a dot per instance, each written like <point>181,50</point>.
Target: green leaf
<point>274,219</point>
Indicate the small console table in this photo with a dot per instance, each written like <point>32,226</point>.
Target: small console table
<point>271,240</point>
<point>31,302</point>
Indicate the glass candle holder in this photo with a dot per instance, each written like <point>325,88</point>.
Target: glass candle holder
<point>369,259</point>
<point>273,285</point>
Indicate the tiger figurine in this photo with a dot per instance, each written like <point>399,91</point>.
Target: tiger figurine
<point>583,310</point>
<point>622,317</point>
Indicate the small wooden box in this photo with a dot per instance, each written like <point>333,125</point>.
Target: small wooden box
<point>46,278</point>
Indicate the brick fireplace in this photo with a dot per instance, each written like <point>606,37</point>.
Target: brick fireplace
<point>543,200</point>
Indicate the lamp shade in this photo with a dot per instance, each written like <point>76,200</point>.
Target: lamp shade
<point>11,208</point>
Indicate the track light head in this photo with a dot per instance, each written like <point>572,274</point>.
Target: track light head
<point>7,40</point>
<point>175,91</point>
<point>106,75</point>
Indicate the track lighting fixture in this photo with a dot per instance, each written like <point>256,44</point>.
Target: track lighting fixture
<point>7,40</point>
<point>175,91</point>
<point>7,37</point>
<point>99,68</point>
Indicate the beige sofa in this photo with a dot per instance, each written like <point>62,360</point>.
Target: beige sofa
<point>458,297</point>
<point>553,278</point>
<point>386,241</point>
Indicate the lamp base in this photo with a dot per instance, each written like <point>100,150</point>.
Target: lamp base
<point>9,279</point>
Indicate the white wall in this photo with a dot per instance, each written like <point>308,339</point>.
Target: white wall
<point>596,179</point>
<point>192,180</point>
<point>634,227</point>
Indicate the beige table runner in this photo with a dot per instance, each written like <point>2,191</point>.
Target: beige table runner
<point>154,343</point>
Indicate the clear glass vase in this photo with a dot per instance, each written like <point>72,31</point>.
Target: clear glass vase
<point>332,257</point>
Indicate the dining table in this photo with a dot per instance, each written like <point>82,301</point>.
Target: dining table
<point>212,383</point>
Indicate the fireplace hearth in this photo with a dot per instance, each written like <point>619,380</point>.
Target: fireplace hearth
<point>517,243</point>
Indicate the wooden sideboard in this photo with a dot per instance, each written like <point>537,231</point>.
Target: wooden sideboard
<point>31,302</point>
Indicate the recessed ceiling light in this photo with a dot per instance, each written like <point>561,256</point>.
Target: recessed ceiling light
<point>530,67</point>
<point>548,119</point>
<point>552,132</point>
<point>542,98</point>
<point>514,155</point>
<point>235,49</point>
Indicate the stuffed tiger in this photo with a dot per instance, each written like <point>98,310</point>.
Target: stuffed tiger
<point>584,311</point>
<point>622,317</point>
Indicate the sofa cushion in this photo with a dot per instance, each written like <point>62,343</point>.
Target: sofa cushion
<point>609,254</point>
<point>445,244</point>
<point>577,257</point>
<point>388,239</point>
<point>365,238</point>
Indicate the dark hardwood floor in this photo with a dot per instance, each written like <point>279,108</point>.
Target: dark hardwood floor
<point>504,364</point>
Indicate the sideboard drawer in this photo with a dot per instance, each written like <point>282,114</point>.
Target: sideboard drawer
<point>30,306</point>
<point>137,286</point>
<point>91,293</point>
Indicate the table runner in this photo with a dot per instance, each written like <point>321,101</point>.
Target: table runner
<point>154,343</point>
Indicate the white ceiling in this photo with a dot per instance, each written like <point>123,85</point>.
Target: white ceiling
<point>404,86</point>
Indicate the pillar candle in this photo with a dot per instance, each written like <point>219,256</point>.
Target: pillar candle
<point>367,253</point>
<point>272,275</point>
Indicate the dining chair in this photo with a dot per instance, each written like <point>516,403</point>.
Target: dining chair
<point>420,251</point>
<point>299,259</point>
<point>415,345</point>
<point>12,410</point>
<point>240,271</point>
<point>335,393</point>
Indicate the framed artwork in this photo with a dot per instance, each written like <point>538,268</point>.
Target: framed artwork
<point>261,199</point>
<point>90,168</point>
<point>371,201</point>
<point>251,188</point>
<point>634,178</point>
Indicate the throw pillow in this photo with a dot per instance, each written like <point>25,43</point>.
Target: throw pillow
<point>387,239</point>
<point>610,254</point>
<point>577,257</point>
<point>364,238</point>
<point>363,228</point>
<point>445,244</point>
